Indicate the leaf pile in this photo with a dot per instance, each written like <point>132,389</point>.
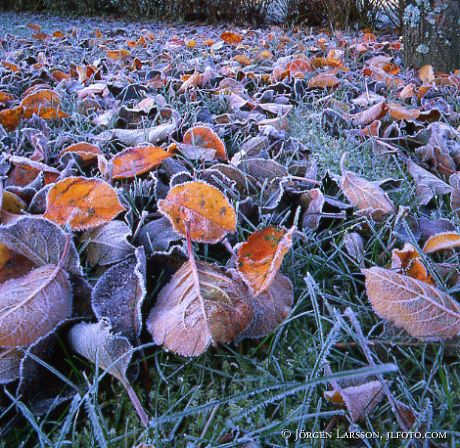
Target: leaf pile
<point>167,161</point>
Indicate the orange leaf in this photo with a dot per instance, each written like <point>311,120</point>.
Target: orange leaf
<point>231,38</point>
<point>298,67</point>
<point>207,209</point>
<point>324,80</point>
<point>137,160</point>
<point>5,97</point>
<point>206,138</point>
<point>44,103</point>
<point>82,203</point>
<point>10,118</point>
<point>118,55</point>
<point>442,241</point>
<point>259,258</point>
<point>86,151</point>
<point>26,170</point>
<point>399,112</point>
<point>426,73</point>
<point>408,262</point>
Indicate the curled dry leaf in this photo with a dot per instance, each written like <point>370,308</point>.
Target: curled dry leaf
<point>135,161</point>
<point>207,209</point>
<point>427,184</point>
<point>200,306</point>
<point>10,360</point>
<point>398,112</point>
<point>271,308</point>
<point>110,352</point>
<point>367,116</point>
<point>422,310</point>
<point>107,244</point>
<point>32,305</point>
<point>408,262</point>
<point>82,203</point>
<point>86,151</point>
<point>359,400</point>
<point>25,171</point>
<point>260,257</point>
<point>119,294</point>
<point>442,241</point>
<point>367,196</point>
<point>205,137</point>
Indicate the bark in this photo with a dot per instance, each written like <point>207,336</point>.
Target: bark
<point>432,33</point>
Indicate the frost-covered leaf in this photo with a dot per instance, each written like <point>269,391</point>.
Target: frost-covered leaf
<point>107,244</point>
<point>359,400</point>
<point>199,307</point>
<point>271,308</point>
<point>41,242</point>
<point>119,293</point>
<point>10,360</point>
<point>207,209</point>
<point>32,305</point>
<point>260,257</point>
<point>421,309</point>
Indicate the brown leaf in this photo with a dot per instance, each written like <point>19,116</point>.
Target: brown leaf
<point>231,37</point>
<point>367,116</point>
<point>200,306</point>
<point>399,112</point>
<point>138,160</point>
<point>33,305</point>
<point>271,308</point>
<point>419,308</point>
<point>367,196</point>
<point>428,185</point>
<point>119,293</point>
<point>12,265</point>
<point>442,241</point>
<point>10,360</point>
<point>107,244</point>
<point>360,400</point>
<point>260,257</point>
<point>210,214</point>
<point>82,203</point>
<point>86,151</point>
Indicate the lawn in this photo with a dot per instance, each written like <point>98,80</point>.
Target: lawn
<point>254,392</point>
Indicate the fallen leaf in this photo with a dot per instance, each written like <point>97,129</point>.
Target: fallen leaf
<point>200,306</point>
<point>231,38</point>
<point>359,400</point>
<point>82,203</point>
<point>323,80</point>
<point>12,265</point>
<point>32,305</point>
<point>408,262</point>
<point>426,73</point>
<point>427,184</point>
<point>422,310</point>
<point>205,137</point>
<point>271,308</point>
<point>367,196</point>
<point>442,241</point>
<point>110,352</point>
<point>86,151</point>
<point>138,160</point>
<point>41,242</point>
<point>398,112</point>
<point>119,293</point>
<point>107,244</point>
<point>45,103</point>
<point>10,118</point>
<point>10,360</point>
<point>259,259</point>
<point>210,214</point>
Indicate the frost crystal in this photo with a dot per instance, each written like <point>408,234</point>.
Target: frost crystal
<point>412,16</point>
<point>423,49</point>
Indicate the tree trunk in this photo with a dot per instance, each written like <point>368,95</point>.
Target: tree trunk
<point>432,33</point>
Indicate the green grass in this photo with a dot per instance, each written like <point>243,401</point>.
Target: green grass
<point>237,395</point>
